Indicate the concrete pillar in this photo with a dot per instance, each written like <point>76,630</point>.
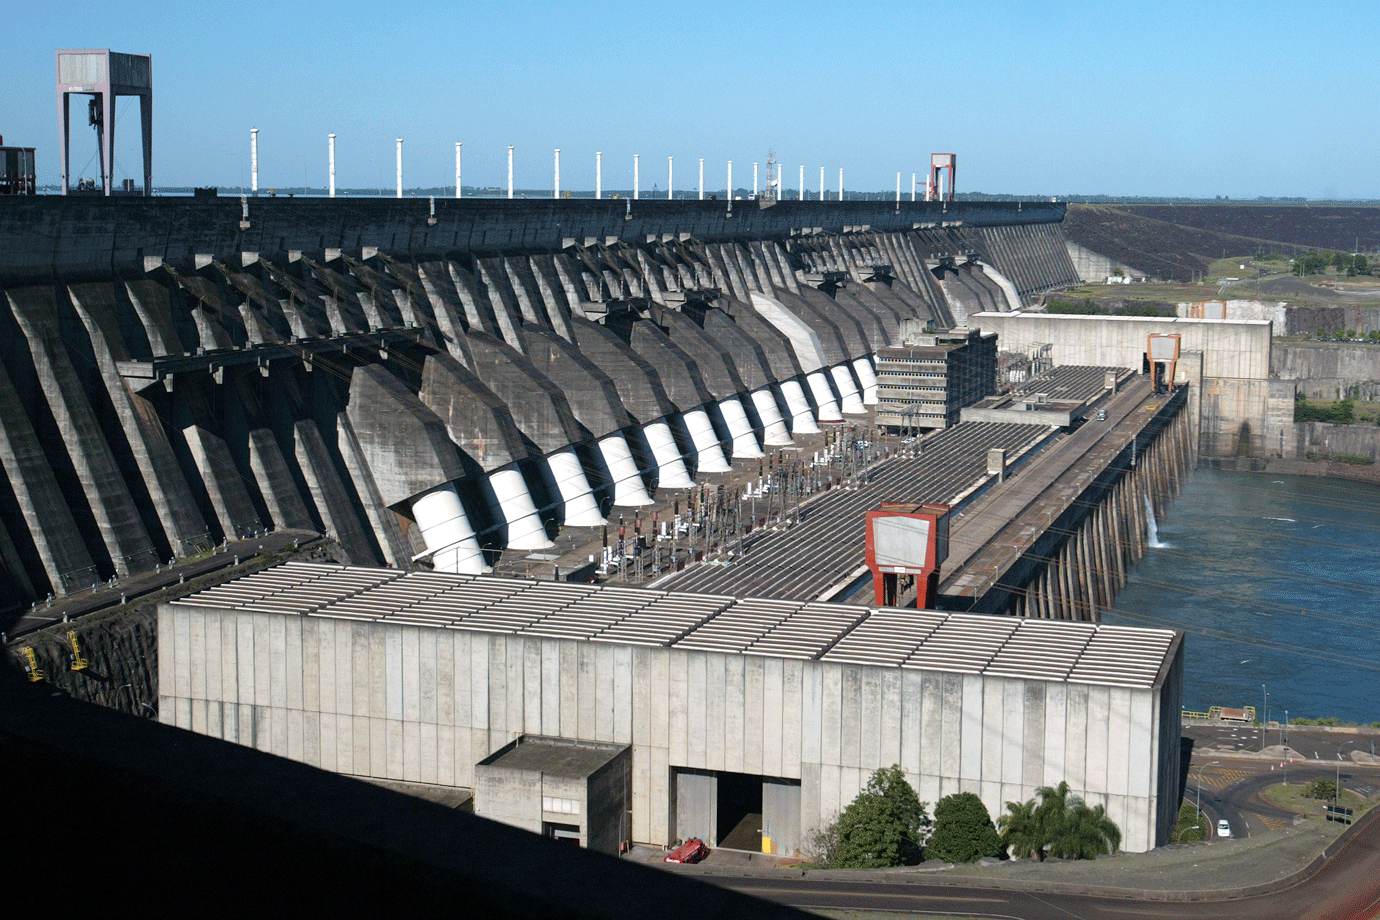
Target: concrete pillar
<point>670,176</point>
<point>821,183</point>
<point>253,161</point>
<point>510,170</point>
<point>636,180</point>
<point>730,181</point>
<point>912,186</point>
<point>399,167</point>
<point>840,183</point>
<point>556,182</point>
<point>458,186</point>
<point>802,181</point>
<point>599,175</point>
<point>332,160</point>
<point>701,178</point>
<point>996,463</point>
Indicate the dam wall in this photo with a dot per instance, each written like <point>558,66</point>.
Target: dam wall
<point>439,388</point>
<point>1236,405</point>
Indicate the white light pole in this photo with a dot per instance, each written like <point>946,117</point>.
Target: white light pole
<point>754,179</point>
<point>730,181</point>
<point>599,174</point>
<point>253,159</point>
<point>670,176</point>
<point>821,183</point>
<point>912,186</point>
<point>1337,798</point>
<point>637,182</point>
<point>701,178</point>
<point>840,183</point>
<point>1199,803</point>
<point>556,185</point>
<point>457,169</point>
<point>399,167</point>
<point>331,146</point>
<point>898,191</point>
<point>1264,715</point>
<point>802,182</point>
<point>510,170</point>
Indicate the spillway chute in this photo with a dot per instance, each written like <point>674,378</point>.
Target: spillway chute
<point>446,530</point>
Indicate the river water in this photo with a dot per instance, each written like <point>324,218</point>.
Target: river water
<point>1276,581</point>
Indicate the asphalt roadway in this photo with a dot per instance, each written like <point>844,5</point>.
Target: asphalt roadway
<point>1345,887</point>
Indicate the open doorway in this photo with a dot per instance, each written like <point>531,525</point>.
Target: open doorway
<point>740,811</point>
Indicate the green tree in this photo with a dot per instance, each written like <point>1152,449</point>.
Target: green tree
<point>1322,788</point>
<point>884,826</point>
<point>963,830</point>
<point>1061,824</point>
<point>1020,832</point>
<point>1084,833</point>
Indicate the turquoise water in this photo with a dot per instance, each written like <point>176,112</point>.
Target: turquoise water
<point>1276,581</point>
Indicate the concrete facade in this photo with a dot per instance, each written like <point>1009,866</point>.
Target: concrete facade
<point>1226,363</point>
<point>423,704</point>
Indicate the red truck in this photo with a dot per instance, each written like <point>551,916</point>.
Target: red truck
<point>691,851</point>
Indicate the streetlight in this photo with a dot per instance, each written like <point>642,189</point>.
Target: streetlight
<point>1337,791</point>
<point>1264,714</point>
<point>1201,770</point>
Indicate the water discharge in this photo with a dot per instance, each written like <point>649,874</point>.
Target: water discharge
<point>1275,582</point>
<point>1152,528</point>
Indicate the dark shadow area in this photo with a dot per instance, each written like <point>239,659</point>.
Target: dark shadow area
<point>127,816</point>
<point>740,811</point>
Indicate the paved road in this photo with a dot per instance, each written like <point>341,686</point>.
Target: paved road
<point>1347,887</point>
<point>1306,741</point>
<point>1231,789</point>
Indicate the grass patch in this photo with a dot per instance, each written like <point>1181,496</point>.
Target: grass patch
<point>1192,826</point>
<point>1294,797</point>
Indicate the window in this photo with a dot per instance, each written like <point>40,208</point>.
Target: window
<point>559,805</point>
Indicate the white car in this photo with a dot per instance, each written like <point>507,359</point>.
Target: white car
<point>1223,829</point>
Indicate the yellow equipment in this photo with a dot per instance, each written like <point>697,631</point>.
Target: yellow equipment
<point>34,671</point>
<point>78,663</point>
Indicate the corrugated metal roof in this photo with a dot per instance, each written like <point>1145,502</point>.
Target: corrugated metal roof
<point>1050,650</point>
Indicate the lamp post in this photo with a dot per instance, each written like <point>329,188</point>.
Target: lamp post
<point>1337,792</point>
<point>1264,714</point>
<point>1199,801</point>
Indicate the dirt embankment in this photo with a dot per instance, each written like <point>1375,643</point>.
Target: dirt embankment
<point>1179,241</point>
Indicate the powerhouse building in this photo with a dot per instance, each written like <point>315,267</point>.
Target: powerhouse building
<point>715,709</point>
<point>926,381</point>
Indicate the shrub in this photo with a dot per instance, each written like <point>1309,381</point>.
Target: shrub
<point>963,830</point>
<point>1322,788</point>
<point>884,826</point>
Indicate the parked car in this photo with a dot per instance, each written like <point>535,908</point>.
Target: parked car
<point>1102,415</point>
<point>1223,829</point>
<point>691,851</point>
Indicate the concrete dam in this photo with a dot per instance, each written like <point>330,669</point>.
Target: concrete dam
<point>435,383</point>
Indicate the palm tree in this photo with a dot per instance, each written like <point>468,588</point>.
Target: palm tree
<point>1085,833</point>
<point>1020,831</point>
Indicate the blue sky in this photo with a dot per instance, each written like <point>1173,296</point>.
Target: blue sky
<point>1035,98</point>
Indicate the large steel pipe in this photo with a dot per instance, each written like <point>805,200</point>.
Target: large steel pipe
<point>774,433</point>
<point>745,444</point>
<point>446,530</point>
<point>848,390</point>
<point>710,454</point>
<point>581,510</point>
<point>863,368</point>
<point>671,471</point>
<point>525,527</point>
<point>802,419</point>
<point>826,407</point>
<point>629,491</point>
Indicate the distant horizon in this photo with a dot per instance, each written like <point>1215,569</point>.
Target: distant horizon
<point>1256,100</point>
<point>528,194</point>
